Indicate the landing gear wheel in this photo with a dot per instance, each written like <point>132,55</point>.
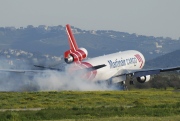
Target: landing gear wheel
<point>131,82</point>
<point>125,87</point>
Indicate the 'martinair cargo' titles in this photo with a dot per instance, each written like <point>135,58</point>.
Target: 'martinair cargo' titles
<point>123,62</point>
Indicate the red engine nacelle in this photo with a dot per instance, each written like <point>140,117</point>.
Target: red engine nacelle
<point>75,56</point>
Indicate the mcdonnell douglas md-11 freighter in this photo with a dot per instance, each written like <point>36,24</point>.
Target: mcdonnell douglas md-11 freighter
<point>114,68</point>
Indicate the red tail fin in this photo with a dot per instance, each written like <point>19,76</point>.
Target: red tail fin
<point>74,54</point>
<point>72,42</point>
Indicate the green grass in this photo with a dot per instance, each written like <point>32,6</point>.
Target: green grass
<point>69,99</point>
<point>89,105</point>
<point>170,118</point>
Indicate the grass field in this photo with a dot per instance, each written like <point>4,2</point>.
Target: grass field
<point>133,105</point>
<point>170,118</point>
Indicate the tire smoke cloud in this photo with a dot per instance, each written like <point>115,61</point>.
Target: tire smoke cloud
<point>45,80</point>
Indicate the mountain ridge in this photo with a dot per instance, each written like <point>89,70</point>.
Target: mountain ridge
<point>53,40</point>
<point>171,59</point>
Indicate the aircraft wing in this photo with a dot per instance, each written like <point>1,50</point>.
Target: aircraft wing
<point>50,69</point>
<point>20,71</point>
<point>87,69</point>
<point>144,72</point>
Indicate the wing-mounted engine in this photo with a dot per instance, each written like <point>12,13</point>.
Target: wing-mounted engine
<point>143,79</point>
<point>75,56</point>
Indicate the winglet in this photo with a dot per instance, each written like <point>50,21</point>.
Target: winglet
<point>72,42</point>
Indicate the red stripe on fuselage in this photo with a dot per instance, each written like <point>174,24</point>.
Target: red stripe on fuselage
<point>90,75</point>
<point>139,59</point>
<point>87,75</point>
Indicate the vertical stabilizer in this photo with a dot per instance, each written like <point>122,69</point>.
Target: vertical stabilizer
<point>72,42</point>
<point>74,54</point>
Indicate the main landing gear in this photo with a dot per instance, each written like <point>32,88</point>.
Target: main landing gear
<point>131,82</point>
<point>119,84</point>
<point>124,85</point>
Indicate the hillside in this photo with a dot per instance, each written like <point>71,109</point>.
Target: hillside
<point>19,59</point>
<point>167,60</point>
<point>53,40</point>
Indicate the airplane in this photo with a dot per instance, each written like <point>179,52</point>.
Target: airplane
<point>115,67</point>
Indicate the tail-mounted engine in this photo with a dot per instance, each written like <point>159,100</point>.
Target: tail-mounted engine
<point>143,79</point>
<point>75,56</point>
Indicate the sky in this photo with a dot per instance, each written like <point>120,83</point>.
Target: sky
<point>143,17</point>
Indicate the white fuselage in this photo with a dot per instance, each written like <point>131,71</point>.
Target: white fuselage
<point>116,63</point>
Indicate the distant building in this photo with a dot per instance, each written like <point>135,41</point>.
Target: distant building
<point>93,32</point>
<point>157,45</point>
